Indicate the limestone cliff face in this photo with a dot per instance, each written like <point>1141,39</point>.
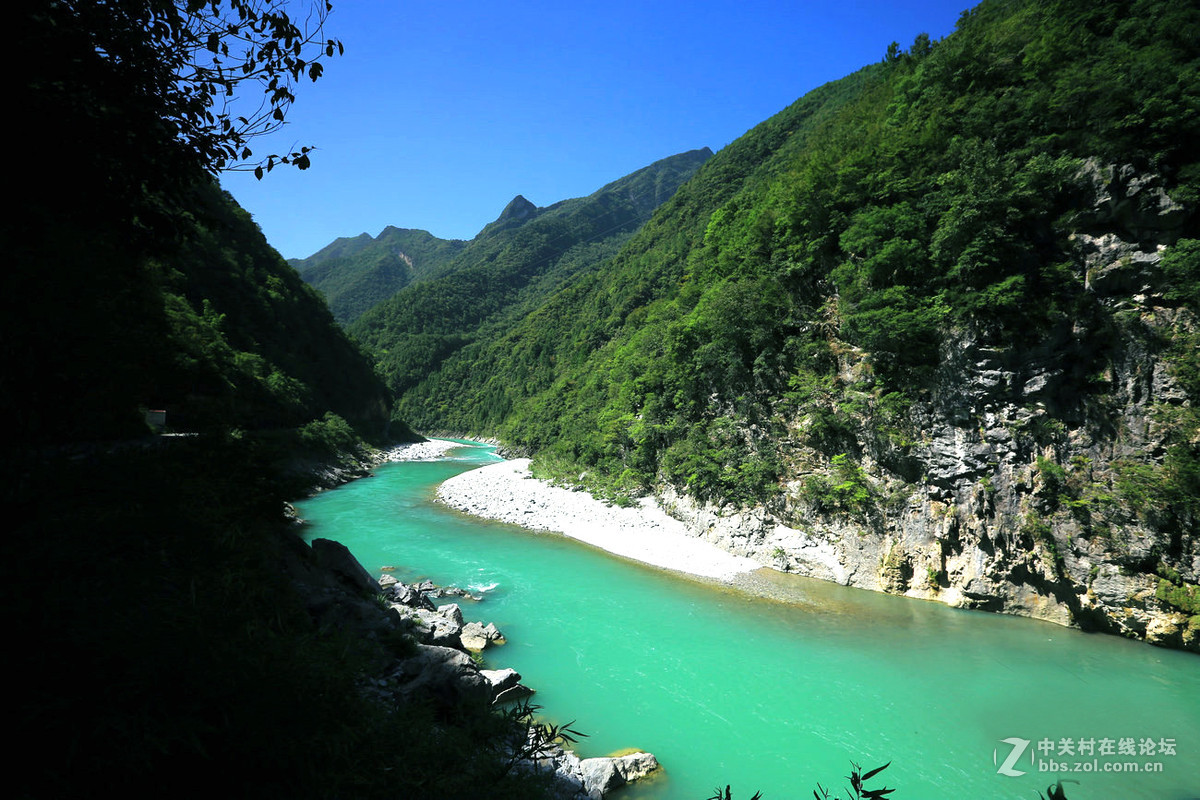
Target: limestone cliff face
<point>1013,487</point>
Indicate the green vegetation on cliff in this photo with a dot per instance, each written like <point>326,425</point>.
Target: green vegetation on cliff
<point>926,198</point>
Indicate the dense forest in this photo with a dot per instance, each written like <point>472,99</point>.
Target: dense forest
<point>989,240</point>
<point>160,642</point>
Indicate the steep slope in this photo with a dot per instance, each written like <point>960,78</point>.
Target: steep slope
<point>512,382</point>
<point>131,282</point>
<point>521,257</point>
<point>261,349</point>
<point>356,273</point>
<point>206,322</point>
<point>932,330</point>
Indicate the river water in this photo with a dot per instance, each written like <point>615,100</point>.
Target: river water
<point>777,695</point>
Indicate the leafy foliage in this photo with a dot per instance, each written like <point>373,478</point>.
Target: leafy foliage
<point>817,265</point>
<point>133,282</point>
<point>857,789</point>
<point>182,65</point>
<point>255,346</point>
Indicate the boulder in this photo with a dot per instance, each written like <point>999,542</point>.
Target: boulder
<point>412,596</point>
<point>515,692</point>
<point>506,685</point>
<point>477,637</point>
<point>603,775</point>
<point>452,612</point>
<point>501,679</point>
<point>444,673</point>
<point>337,558</point>
<point>439,629</point>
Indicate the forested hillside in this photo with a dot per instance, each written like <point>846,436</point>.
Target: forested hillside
<point>158,641</point>
<point>930,330</point>
<point>515,262</point>
<point>356,273</point>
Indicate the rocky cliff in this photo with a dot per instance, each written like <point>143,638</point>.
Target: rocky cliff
<point>1028,480</point>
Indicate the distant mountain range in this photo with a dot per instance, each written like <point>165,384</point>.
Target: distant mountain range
<point>356,273</point>
<point>438,294</point>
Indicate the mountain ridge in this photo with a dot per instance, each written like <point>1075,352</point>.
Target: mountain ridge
<point>531,253</point>
<point>355,273</point>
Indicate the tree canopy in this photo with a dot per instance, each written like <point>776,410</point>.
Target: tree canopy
<point>200,79</point>
<point>119,236</point>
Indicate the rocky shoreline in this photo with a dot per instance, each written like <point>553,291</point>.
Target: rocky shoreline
<point>428,450</point>
<point>441,665</point>
<point>674,532</point>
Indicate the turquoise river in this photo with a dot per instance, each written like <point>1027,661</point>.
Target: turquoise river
<point>778,695</point>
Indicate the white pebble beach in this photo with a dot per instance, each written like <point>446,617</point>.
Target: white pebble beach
<point>507,492</point>
<point>430,450</point>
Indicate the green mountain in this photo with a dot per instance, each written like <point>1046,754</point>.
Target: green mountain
<point>356,273</point>
<point>525,255</point>
<point>930,330</point>
<point>208,324</point>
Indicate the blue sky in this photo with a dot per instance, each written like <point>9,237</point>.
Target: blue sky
<point>440,113</point>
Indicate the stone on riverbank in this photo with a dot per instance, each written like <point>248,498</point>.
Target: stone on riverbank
<point>341,594</point>
<point>477,637</point>
<point>445,673</point>
<point>603,775</point>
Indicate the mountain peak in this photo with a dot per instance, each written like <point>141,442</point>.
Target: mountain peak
<point>516,213</point>
<point>518,209</point>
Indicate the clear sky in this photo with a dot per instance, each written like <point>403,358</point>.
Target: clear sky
<point>439,113</point>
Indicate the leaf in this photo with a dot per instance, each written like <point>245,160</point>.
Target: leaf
<point>875,772</point>
<point>258,172</point>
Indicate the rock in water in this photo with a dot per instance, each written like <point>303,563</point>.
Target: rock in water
<point>602,775</point>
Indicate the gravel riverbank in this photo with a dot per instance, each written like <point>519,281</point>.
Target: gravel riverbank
<point>507,492</point>
<point>430,450</point>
